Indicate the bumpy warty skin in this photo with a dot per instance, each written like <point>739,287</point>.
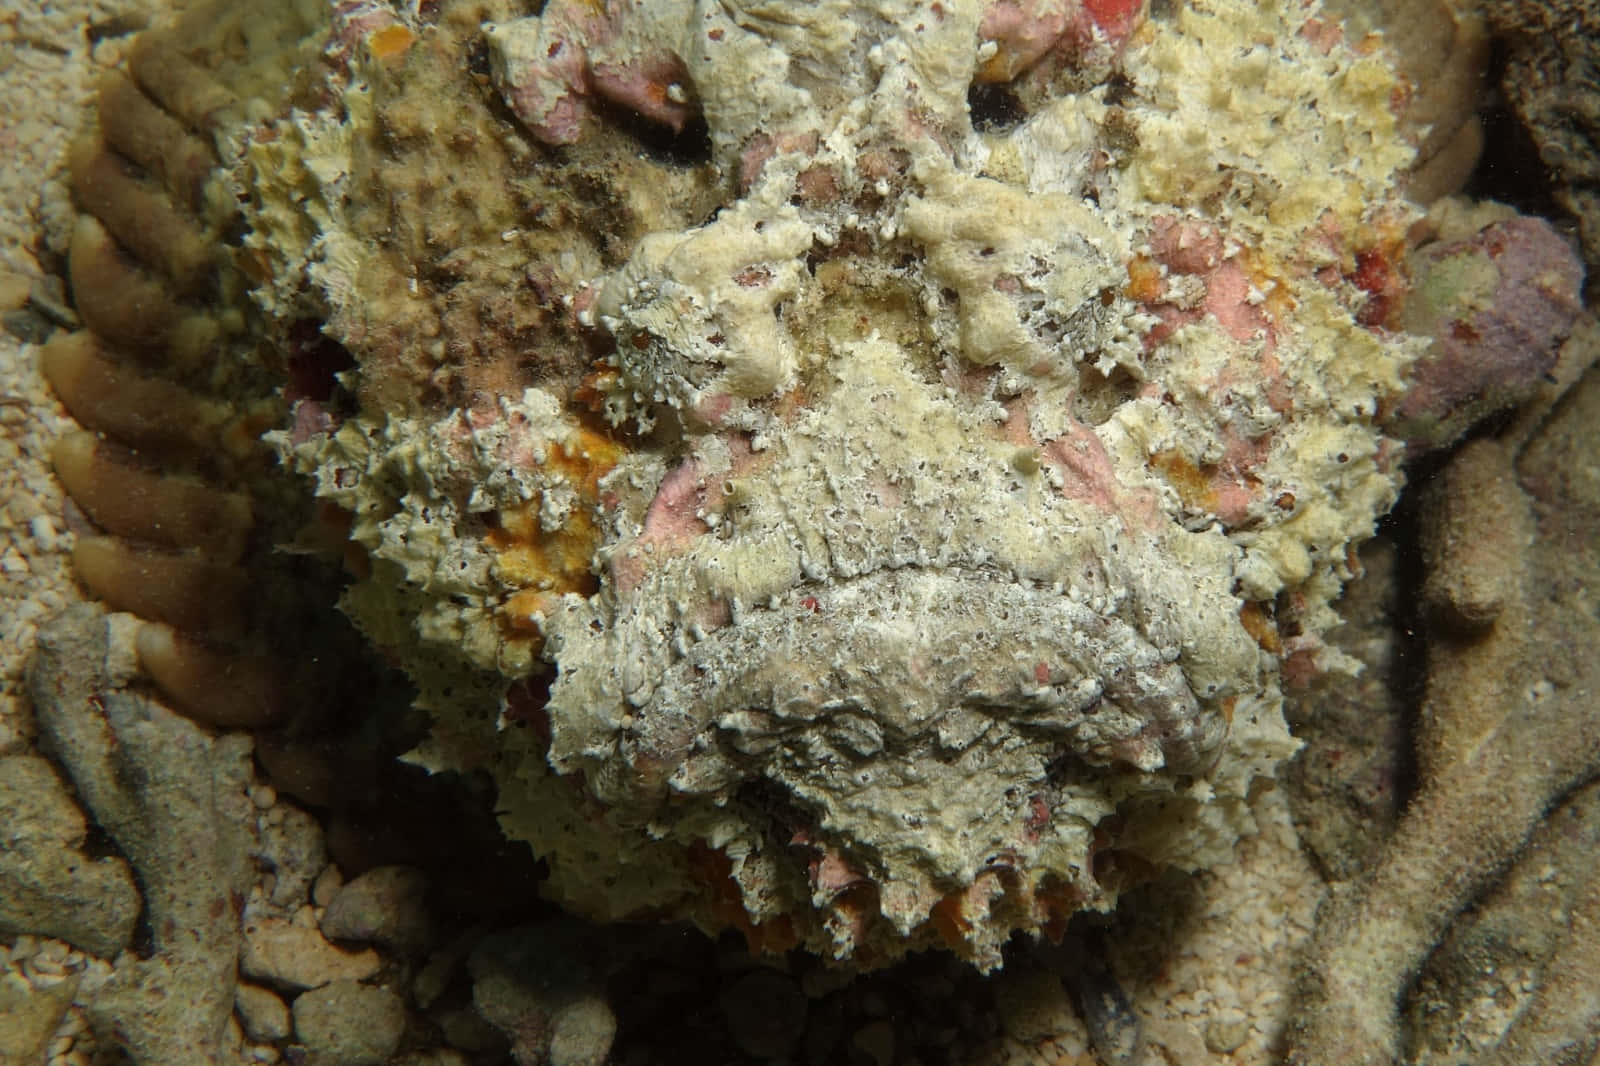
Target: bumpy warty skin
<point>903,550</point>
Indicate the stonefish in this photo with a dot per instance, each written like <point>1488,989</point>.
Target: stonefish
<point>854,472</point>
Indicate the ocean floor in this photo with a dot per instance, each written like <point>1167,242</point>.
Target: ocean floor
<point>1420,886</point>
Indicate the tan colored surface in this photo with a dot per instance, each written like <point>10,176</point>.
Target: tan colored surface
<point>1255,911</point>
<point>1210,979</point>
<point>47,69</point>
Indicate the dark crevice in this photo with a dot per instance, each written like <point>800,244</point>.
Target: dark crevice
<point>688,147</point>
<point>994,108</point>
<point>1509,169</point>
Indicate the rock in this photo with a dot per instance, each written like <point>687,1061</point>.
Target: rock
<point>766,1013</point>
<point>29,1015</point>
<point>1226,1032</point>
<point>13,290</point>
<point>345,1023</point>
<point>29,327</point>
<point>47,885</point>
<point>327,885</point>
<point>262,1014</point>
<point>1498,304</point>
<point>173,799</point>
<point>386,906</point>
<point>526,980</point>
<point>1552,50</point>
<point>48,296</point>
<point>298,957</point>
<point>581,1032</point>
<point>293,848</point>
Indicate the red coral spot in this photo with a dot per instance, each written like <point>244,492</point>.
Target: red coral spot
<point>752,277</point>
<point>1116,17</point>
<point>1038,815</point>
<point>525,704</point>
<point>1376,276</point>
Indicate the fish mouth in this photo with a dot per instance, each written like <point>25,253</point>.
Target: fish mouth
<point>868,675</point>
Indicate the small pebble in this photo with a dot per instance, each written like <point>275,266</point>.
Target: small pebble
<point>262,1015</point>
<point>581,1033</point>
<point>43,532</point>
<point>386,906</point>
<point>327,885</point>
<point>292,845</point>
<point>48,297</point>
<point>1227,1032</point>
<point>295,956</point>
<point>349,1024</point>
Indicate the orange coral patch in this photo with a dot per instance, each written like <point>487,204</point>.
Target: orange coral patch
<point>1261,626</point>
<point>541,564</point>
<point>958,913</point>
<point>1192,484</point>
<point>714,869</point>
<point>1144,280</point>
<point>390,41</point>
<point>948,919</point>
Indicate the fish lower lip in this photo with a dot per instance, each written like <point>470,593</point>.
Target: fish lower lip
<point>892,665</point>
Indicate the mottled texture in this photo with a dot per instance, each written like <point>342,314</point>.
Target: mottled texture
<point>173,801</point>
<point>1498,303</point>
<point>48,885</point>
<point>825,507</point>
<point>386,905</point>
<point>1507,725</point>
<point>344,1023</point>
<point>1552,65</point>
<point>1515,981</point>
<point>907,510</point>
